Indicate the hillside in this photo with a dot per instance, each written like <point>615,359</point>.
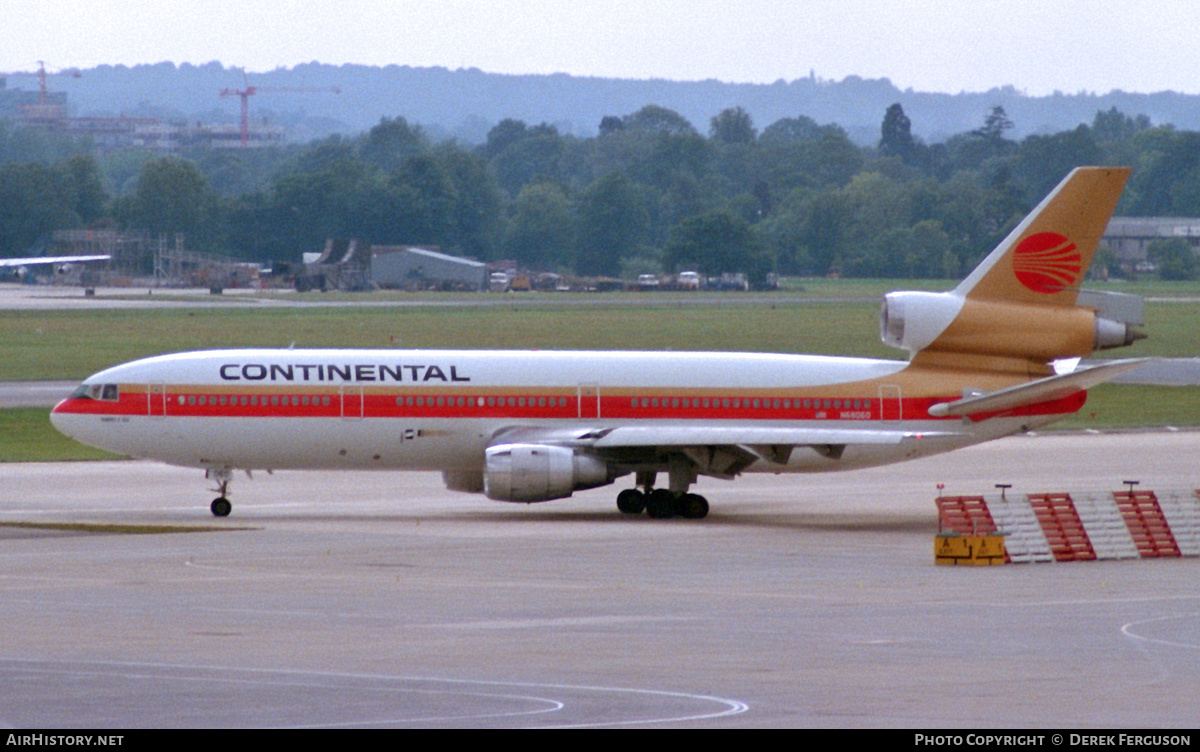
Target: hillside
<point>465,103</point>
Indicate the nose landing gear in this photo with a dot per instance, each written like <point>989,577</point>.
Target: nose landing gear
<point>220,506</point>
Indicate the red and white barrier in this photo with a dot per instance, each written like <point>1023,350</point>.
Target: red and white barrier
<point>1080,527</point>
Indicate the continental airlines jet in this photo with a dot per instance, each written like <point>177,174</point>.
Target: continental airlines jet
<point>534,426</point>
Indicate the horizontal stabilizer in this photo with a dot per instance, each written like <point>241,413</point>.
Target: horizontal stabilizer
<point>1042,390</point>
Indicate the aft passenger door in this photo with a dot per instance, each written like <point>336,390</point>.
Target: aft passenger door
<point>352,402</point>
<point>157,400</point>
<point>589,400</point>
<point>890,410</point>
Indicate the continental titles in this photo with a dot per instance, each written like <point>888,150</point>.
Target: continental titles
<point>350,372</point>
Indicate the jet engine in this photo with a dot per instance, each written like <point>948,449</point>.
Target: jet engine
<point>539,472</point>
<point>917,321</point>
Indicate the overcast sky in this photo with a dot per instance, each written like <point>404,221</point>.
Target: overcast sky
<point>1038,46</point>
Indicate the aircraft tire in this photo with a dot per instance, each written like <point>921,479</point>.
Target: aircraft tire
<point>660,504</point>
<point>221,507</point>
<point>693,506</point>
<point>631,501</point>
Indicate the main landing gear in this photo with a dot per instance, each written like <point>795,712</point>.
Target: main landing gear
<point>664,503</point>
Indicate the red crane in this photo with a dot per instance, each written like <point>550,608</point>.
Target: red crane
<point>250,91</point>
<point>44,112</point>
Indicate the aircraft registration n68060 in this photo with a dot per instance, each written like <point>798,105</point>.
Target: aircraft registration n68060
<point>528,426</point>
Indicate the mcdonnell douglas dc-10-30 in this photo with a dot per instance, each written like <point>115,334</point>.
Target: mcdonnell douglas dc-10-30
<point>530,426</point>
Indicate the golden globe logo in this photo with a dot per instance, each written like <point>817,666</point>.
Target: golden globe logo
<point>1047,263</point>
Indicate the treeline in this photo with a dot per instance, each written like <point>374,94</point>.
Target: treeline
<point>649,193</point>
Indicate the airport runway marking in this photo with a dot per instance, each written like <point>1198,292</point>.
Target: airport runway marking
<point>321,679</point>
<point>1129,628</point>
<point>553,623</point>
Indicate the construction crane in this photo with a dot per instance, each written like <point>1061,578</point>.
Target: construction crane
<point>43,112</point>
<point>250,91</point>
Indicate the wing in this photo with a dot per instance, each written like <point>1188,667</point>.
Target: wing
<point>721,451</point>
<point>36,260</point>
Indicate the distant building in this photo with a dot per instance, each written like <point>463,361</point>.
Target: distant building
<point>49,112</point>
<point>1129,237</point>
<point>409,268</point>
<point>32,107</point>
<point>149,133</point>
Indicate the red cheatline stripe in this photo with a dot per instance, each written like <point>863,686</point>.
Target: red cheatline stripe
<point>135,400</point>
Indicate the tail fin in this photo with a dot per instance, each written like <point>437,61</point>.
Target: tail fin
<point>1017,311</point>
<point>1043,260</point>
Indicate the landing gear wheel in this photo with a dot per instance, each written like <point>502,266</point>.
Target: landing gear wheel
<point>660,504</point>
<point>692,506</point>
<point>631,501</point>
<point>221,507</point>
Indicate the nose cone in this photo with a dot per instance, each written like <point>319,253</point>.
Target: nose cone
<point>60,417</point>
<point>77,417</point>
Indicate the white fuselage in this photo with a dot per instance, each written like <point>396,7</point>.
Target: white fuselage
<point>440,410</point>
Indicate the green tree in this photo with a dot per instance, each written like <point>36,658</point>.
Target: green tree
<point>1042,161</point>
<point>502,135</point>
<point>797,130</point>
<point>1114,133</point>
<point>22,145</point>
<point>392,142</point>
<point>475,216</point>
<point>655,119</point>
<point>430,200</point>
<point>610,125</point>
<point>612,225</point>
<point>1175,258</point>
<point>1166,176</point>
<point>994,126</point>
<point>542,231</point>
<point>85,187</point>
<point>732,126</point>
<point>1114,126</point>
<point>796,153</point>
<point>172,196</point>
<point>714,243</point>
<point>307,206</point>
<point>536,156</point>
<point>34,200</point>
<point>969,151</point>
<point>896,135</point>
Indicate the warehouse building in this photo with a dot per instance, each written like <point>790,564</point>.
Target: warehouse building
<point>401,267</point>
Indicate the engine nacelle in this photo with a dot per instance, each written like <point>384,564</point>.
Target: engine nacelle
<point>913,320</point>
<point>945,322</point>
<point>538,472</point>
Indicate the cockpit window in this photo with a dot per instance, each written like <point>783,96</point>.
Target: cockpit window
<point>102,392</point>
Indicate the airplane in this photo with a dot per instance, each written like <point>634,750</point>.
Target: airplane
<point>63,264</point>
<point>531,426</point>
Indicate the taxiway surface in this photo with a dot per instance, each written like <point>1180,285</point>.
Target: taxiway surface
<point>361,599</point>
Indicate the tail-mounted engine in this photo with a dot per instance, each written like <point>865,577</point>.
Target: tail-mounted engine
<point>946,322</point>
<point>539,472</point>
